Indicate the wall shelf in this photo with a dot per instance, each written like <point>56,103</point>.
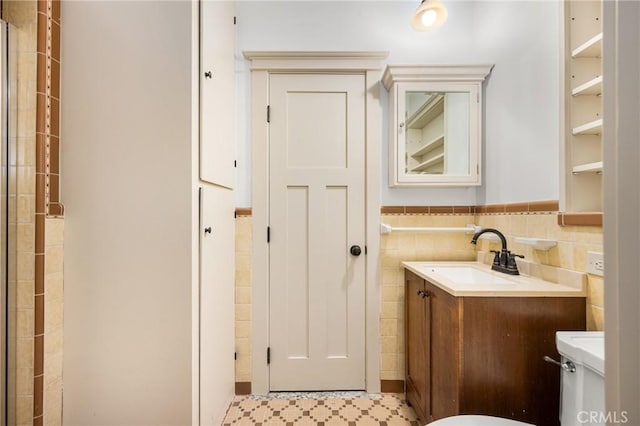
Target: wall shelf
<point>591,87</point>
<point>427,113</point>
<point>591,128</point>
<point>429,146</point>
<point>588,168</point>
<point>592,48</point>
<point>536,243</point>
<point>438,159</point>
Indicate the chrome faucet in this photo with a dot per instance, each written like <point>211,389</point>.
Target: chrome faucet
<point>504,261</point>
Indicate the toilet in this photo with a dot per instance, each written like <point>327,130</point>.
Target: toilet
<point>582,396</point>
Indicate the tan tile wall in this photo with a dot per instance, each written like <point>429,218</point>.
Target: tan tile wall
<point>38,382</point>
<point>398,247</point>
<point>243,298</point>
<point>53,321</point>
<point>571,252</point>
<point>22,14</point>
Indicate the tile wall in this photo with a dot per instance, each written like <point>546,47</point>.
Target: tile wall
<point>244,243</point>
<point>538,219</point>
<point>22,14</point>
<point>39,250</point>
<point>571,252</point>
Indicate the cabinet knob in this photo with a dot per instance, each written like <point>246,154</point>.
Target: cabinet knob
<point>423,294</point>
<point>355,250</point>
<point>207,230</point>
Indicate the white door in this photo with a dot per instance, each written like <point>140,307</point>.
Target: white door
<point>217,248</point>
<point>316,214</point>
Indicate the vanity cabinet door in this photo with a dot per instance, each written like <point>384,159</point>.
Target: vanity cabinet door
<point>417,341</point>
<point>443,329</point>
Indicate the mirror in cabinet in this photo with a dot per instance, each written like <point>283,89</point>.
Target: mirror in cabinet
<point>436,124</point>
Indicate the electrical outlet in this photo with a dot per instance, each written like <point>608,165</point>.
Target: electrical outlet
<point>595,263</point>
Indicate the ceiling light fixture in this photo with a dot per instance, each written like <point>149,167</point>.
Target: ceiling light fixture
<point>429,15</point>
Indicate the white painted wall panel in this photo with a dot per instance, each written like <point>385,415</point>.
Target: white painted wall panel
<point>127,180</point>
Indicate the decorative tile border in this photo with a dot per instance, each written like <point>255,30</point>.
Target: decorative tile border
<point>580,219</point>
<point>428,210</point>
<point>243,211</point>
<point>532,207</point>
<point>525,207</point>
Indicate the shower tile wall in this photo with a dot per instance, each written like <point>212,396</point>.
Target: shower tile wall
<point>538,219</point>
<point>38,389</point>
<point>22,14</point>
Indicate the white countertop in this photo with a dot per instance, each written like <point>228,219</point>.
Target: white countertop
<point>497,284</point>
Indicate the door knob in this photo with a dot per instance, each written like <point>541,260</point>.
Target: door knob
<point>355,250</point>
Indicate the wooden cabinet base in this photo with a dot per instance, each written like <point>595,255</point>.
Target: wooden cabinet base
<point>484,355</point>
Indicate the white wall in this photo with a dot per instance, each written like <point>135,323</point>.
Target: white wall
<point>521,38</point>
<point>127,164</point>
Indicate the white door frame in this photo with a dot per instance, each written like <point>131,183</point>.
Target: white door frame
<point>262,64</point>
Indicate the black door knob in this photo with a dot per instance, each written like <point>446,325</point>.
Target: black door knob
<point>355,250</point>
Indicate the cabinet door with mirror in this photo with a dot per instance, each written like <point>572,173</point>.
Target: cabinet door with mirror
<point>435,137</point>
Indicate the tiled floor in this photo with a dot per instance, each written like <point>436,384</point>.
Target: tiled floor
<point>321,409</point>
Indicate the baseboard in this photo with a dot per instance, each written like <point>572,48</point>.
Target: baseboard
<point>392,386</point>
<point>243,388</point>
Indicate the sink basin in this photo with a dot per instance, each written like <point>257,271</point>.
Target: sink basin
<point>468,275</point>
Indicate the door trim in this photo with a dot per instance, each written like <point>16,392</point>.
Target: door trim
<point>263,64</point>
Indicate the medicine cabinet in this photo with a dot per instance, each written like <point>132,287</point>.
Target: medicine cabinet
<point>435,128</point>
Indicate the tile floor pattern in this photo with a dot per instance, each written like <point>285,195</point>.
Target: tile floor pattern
<point>321,409</point>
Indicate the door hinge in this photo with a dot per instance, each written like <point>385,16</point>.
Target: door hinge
<point>477,97</point>
<point>268,356</point>
<point>268,113</point>
<point>235,356</point>
<point>235,163</point>
<point>235,20</point>
<point>268,234</point>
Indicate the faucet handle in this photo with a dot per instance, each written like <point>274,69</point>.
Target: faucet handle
<point>511,260</point>
<point>496,258</point>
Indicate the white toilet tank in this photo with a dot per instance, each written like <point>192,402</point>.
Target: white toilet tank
<point>582,393</point>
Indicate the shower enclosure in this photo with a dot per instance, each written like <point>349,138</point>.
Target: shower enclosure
<point>8,229</point>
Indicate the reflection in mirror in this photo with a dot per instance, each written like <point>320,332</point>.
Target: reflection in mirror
<point>437,132</point>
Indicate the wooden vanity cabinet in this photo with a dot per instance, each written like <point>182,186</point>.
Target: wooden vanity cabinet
<point>484,355</point>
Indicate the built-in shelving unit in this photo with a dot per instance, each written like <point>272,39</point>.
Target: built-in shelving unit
<point>582,107</point>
